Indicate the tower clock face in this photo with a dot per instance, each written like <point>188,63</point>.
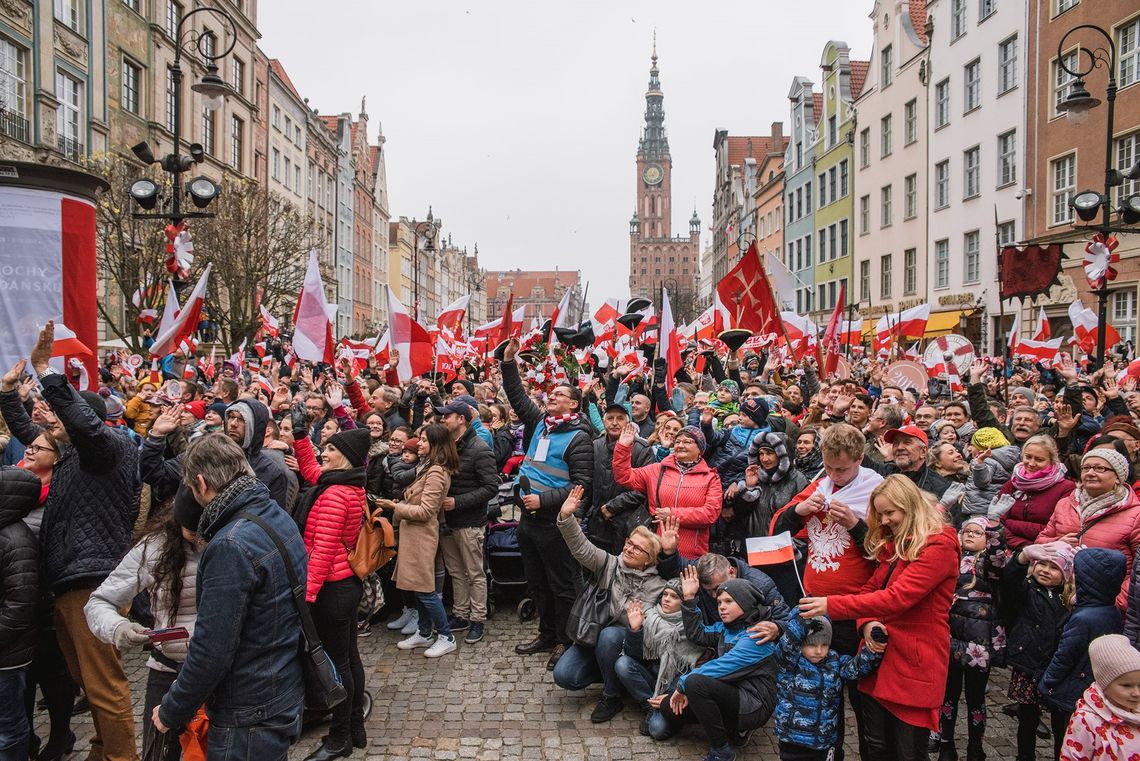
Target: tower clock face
<point>652,174</point>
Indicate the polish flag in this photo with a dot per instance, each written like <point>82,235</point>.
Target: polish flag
<point>770,550</point>
<point>209,370</point>
<point>722,320</point>
<point>1042,332</point>
<point>491,329</point>
<point>66,344</point>
<point>954,379</point>
<point>450,320</point>
<point>1039,351</point>
<point>670,345</point>
<point>610,310</point>
<point>560,317</point>
<point>269,323</point>
<point>313,334</point>
<point>238,356</point>
<point>831,335</point>
<point>851,333</point>
<point>912,322</point>
<point>1085,328</point>
<point>172,333</point>
<point>912,353</point>
<point>171,308</point>
<point>409,338</point>
<point>1014,334</point>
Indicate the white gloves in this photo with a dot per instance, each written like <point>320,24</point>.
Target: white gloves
<point>129,634</point>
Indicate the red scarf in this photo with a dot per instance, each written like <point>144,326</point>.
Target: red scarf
<point>556,420</point>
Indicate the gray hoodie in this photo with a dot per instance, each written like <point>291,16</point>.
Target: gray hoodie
<point>987,478</point>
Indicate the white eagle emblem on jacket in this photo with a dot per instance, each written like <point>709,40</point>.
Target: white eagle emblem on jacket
<point>826,544</point>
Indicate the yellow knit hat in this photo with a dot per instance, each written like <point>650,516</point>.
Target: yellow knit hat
<point>989,438</point>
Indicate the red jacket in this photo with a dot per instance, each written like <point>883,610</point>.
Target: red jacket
<point>694,498</point>
<point>1025,520</point>
<point>914,605</point>
<point>332,526</point>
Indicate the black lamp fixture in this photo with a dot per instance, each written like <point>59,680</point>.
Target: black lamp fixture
<point>145,193</point>
<point>202,190</point>
<point>212,88</point>
<point>1087,204</point>
<point>1077,103</point>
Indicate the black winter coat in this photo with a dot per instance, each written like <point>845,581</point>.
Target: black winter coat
<point>625,506</point>
<point>475,483</point>
<point>1034,617</point>
<point>19,568</point>
<point>977,636</point>
<point>94,498</point>
<point>1132,620</point>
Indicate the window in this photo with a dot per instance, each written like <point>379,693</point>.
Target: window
<point>275,167</point>
<point>297,135</point>
<point>1124,314</point>
<point>238,76</point>
<point>1006,233</point>
<point>209,44</point>
<point>831,187</point>
<point>132,78</point>
<point>864,215</point>
<point>807,197</point>
<point>173,16</point>
<point>13,90</point>
<point>843,235</point>
<point>67,11</point>
<point>942,103</point>
<point>237,142</point>
<point>986,9</point>
<point>1007,157</point>
<point>886,66</point>
<point>1062,79</point>
<point>885,140</point>
<point>1064,5</point>
<point>1128,52</point>
<point>910,196</point>
<point>1007,65</point>
<point>865,148</point>
<point>288,128</point>
<point>910,122</point>
<point>1127,154</point>
<point>799,155</point>
<point>132,4</point>
<point>865,280</point>
<point>885,277</point>
<point>807,250</point>
<point>971,170</point>
<point>832,133</point>
<point>973,91</point>
<point>1064,171</point>
<point>297,179</point>
<point>823,257</point>
<point>67,116</point>
<point>957,19</point>
<point>208,122</point>
<point>171,100</point>
<point>972,255</point>
<point>942,264</point>
<point>843,178</point>
<point>823,190</point>
<point>885,206</point>
<point>800,202</point>
<point>277,117</point>
<point>942,184</point>
<point>910,271</point>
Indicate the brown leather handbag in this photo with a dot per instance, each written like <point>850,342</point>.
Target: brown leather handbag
<point>375,544</point>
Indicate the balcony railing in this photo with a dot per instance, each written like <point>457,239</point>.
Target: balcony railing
<point>13,125</point>
<point>69,148</point>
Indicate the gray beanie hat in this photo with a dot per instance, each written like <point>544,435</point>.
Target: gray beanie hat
<point>822,631</point>
<point>1024,391</point>
<point>1118,462</point>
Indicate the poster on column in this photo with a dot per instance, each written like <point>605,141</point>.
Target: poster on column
<point>47,271</point>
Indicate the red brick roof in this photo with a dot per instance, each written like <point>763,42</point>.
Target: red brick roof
<point>525,281</point>
<point>816,105</point>
<point>918,18</point>
<point>330,122</point>
<point>279,71</point>
<point>858,76</point>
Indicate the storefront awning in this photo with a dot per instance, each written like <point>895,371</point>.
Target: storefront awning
<point>943,323</point>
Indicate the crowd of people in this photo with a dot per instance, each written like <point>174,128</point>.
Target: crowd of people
<point>916,541</point>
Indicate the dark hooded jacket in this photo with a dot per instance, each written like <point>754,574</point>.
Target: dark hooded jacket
<point>1099,574</point>
<point>1034,616</point>
<point>19,571</point>
<point>94,498</point>
<point>165,474</point>
<point>757,506</point>
<point>626,506</point>
<point>474,484</point>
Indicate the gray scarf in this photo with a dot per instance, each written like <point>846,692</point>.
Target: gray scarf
<point>1093,507</point>
<point>223,500</point>
<point>664,640</point>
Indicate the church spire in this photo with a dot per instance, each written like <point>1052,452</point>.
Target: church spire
<point>654,142</point>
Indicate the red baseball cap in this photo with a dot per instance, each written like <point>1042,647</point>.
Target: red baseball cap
<point>907,430</point>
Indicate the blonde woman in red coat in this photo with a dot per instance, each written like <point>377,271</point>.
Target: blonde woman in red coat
<point>682,486</point>
<point>908,599</point>
<point>332,511</point>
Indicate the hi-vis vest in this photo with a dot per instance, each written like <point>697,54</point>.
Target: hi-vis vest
<point>552,472</point>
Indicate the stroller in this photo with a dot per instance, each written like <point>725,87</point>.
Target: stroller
<point>501,556</point>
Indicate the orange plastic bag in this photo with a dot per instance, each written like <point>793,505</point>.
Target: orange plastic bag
<point>194,737</point>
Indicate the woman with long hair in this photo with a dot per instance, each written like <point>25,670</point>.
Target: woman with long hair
<point>661,440</point>
<point>907,599</point>
<point>163,564</point>
<point>418,517</point>
<point>330,514</point>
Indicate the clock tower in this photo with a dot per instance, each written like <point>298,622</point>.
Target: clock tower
<point>656,258</point>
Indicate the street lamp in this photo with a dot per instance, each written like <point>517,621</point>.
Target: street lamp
<point>213,90</point>
<point>1086,204</point>
<point>427,229</point>
<point>474,284</point>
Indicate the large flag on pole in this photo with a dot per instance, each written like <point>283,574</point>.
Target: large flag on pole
<point>747,295</point>
<point>409,338</point>
<point>831,335</point>
<point>1041,331</point>
<point>183,326</point>
<point>506,323</point>
<point>312,336</point>
<point>669,343</point>
<point>450,320</point>
<point>170,309</point>
<point>1085,328</point>
<point>560,317</point>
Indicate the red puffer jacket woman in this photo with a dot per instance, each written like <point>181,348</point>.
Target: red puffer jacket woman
<point>683,485</point>
<point>335,510</point>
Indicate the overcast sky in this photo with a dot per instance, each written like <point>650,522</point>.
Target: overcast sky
<point>518,121</point>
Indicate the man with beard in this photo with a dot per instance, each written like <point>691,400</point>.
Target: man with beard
<point>905,452</point>
<point>885,418</point>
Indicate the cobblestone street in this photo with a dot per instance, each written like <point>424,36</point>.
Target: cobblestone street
<point>487,703</point>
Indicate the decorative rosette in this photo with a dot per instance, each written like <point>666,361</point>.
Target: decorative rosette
<point>1100,256</point>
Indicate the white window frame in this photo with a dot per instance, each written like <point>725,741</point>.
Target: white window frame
<point>910,122</point>
<point>957,19</point>
<point>986,8</point>
<point>1007,158</point>
<point>237,76</point>
<point>971,172</point>
<point>942,263</point>
<point>1063,5</point>
<point>942,184</point>
<point>132,80</point>
<point>886,211</point>
<point>942,103</point>
<point>1127,154</point>
<point>1128,53</point>
<point>209,132</point>
<point>69,115</point>
<point>910,271</point>
<point>865,148</point>
<point>864,214</point>
<point>13,78</point>
<point>1007,64</point>
<point>1124,314</point>
<point>1062,79</point>
<point>971,257</point>
<point>886,135</point>
<point>174,11</point>
<point>865,280</point>
<point>885,276</point>
<point>1007,233</point>
<point>886,66</point>
<point>67,13</point>
<point>910,196</point>
<point>1063,181</point>
<point>237,142</point>
<point>972,86</point>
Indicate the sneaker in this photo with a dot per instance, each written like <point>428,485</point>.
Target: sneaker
<point>725,753</point>
<point>363,629</point>
<point>415,641</point>
<point>740,739</point>
<point>442,646</point>
<point>413,624</point>
<point>606,709</point>
<point>457,624</point>
<point>400,622</point>
<point>475,633</point>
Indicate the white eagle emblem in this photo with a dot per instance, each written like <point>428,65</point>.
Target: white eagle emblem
<point>826,544</point>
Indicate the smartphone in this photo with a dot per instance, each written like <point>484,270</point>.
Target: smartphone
<point>166,635</point>
<point>879,635</point>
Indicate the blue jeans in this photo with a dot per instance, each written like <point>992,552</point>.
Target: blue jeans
<point>15,730</point>
<point>432,614</point>
<point>269,740</point>
<point>638,678</point>
<point>579,666</point>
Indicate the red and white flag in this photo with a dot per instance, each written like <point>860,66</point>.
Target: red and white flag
<point>1039,351</point>
<point>954,379</point>
<point>911,323</point>
<point>208,369</point>
<point>170,307</point>
<point>1042,332</point>
<point>770,550</point>
<point>851,333</point>
<point>172,333</point>
<point>1015,334</point>
<point>912,353</point>
<point>831,335</point>
<point>490,330</point>
<point>409,338</point>
<point>670,343</point>
<point>747,295</point>
<point>560,317</point>
<point>269,323</point>
<point>1085,328</point>
<point>313,334</point>
<point>450,320</point>
<point>66,344</point>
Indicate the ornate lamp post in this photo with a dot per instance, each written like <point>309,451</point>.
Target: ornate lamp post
<point>427,229</point>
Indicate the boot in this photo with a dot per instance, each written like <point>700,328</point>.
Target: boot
<point>538,645</point>
<point>947,751</point>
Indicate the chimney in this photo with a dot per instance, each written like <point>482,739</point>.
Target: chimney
<point>777,134</point>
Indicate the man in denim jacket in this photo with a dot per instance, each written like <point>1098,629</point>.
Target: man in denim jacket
<point>244,659</point>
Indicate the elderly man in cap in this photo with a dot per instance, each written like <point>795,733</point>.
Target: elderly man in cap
<point>614,509</point>
<point>473,485</point>
<point>904,451</point>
